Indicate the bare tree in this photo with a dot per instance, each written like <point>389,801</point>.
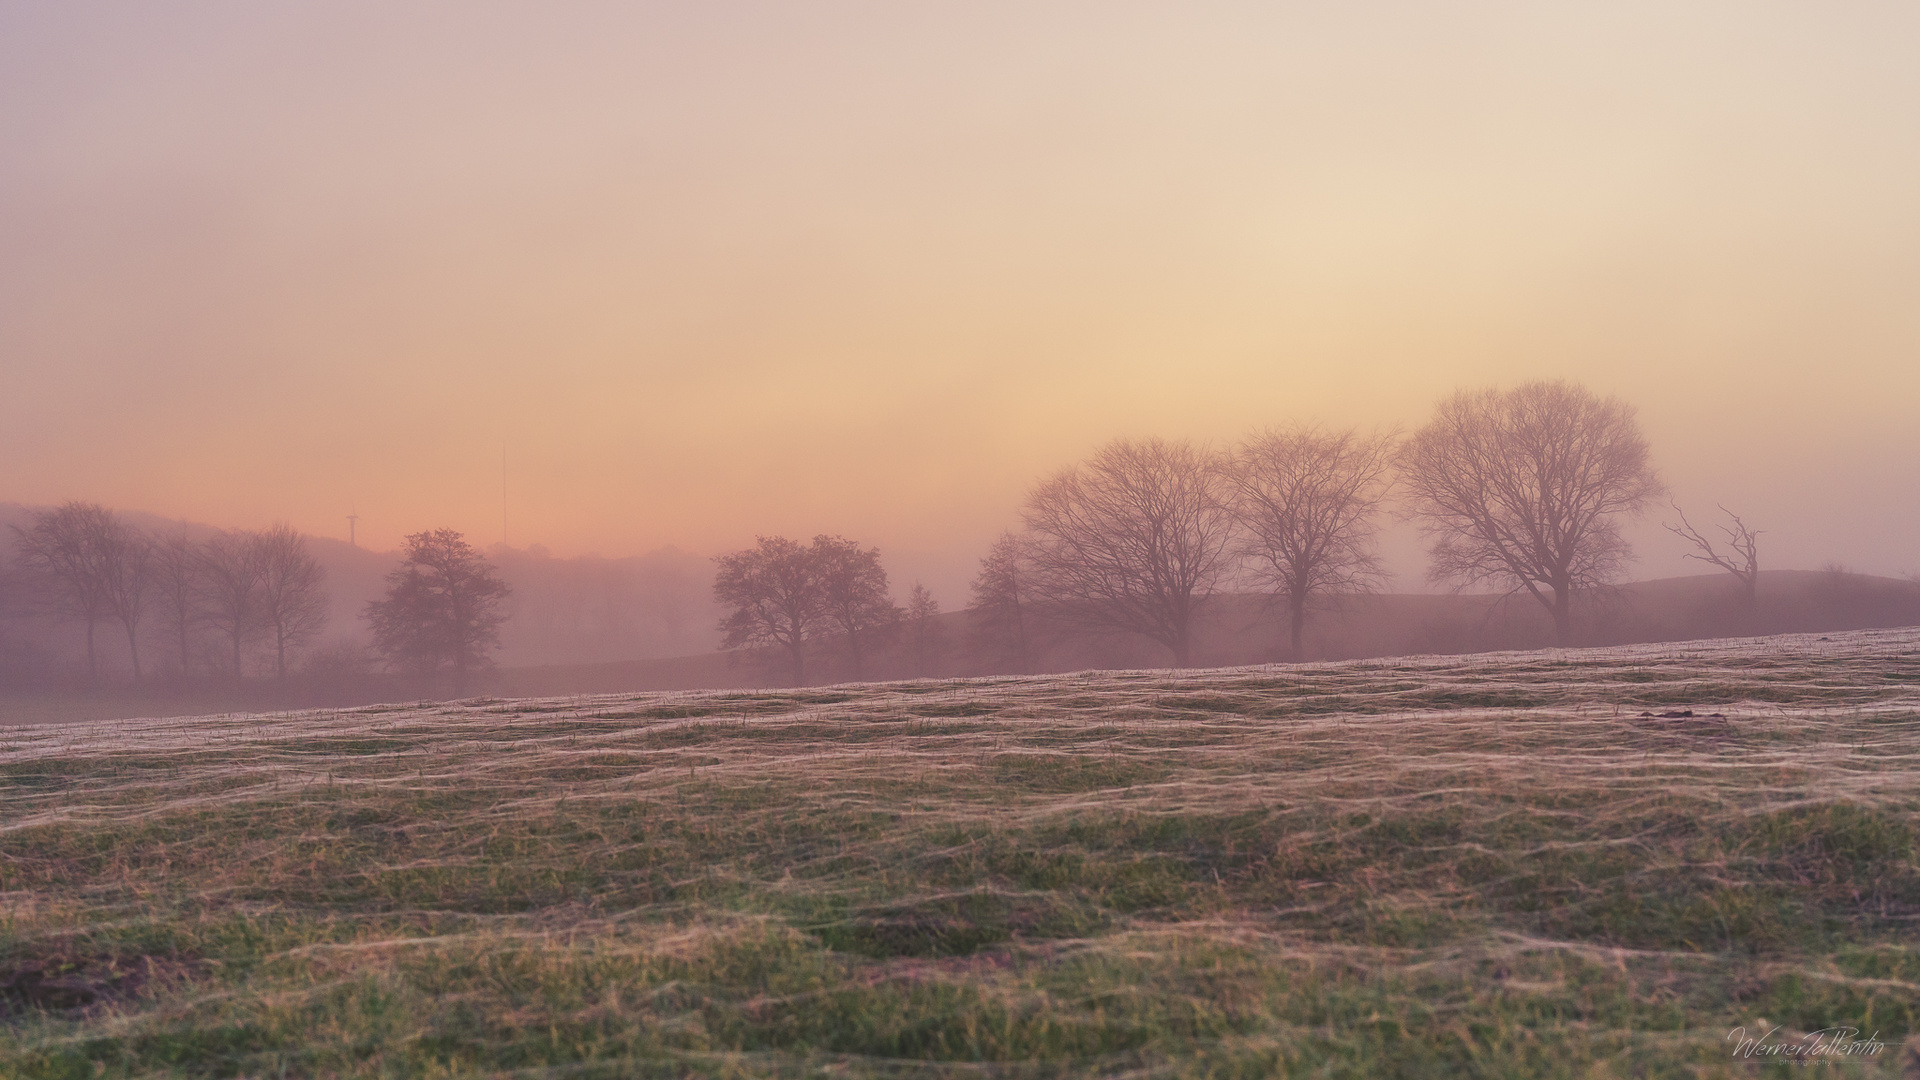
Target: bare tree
<point>75,553</point>
<point>443,609</point>
<point>1132,540</point>
<point>1002,603</point>
<point>230,579</point>
<point>126,559</point>
<point>1306,502</point>
<point>926,638</point>
<point>178,587</point>
<point>1526,487</point>
<point>1741,559</point>
<point>773,589</point>
<point>293,597</point>
<point>853,595</point>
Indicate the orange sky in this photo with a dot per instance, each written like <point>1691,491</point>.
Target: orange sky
<point>709,270</point>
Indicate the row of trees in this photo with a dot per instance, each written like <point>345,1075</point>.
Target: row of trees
<point>215,601</point>
<point>1524,489</point>
<point>226,602</point>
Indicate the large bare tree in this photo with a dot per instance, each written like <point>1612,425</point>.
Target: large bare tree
<point>1134,539</point>
<point>1527,488</point>
<point>1740,557</point>
<point>293,596</point>
<point>1306,502</point>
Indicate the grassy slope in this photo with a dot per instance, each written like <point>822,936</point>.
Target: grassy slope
<point>1480,866</point>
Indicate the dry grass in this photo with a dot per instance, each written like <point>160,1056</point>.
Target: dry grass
<point>1484,866</point>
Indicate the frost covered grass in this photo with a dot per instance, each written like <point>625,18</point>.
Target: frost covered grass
<point>1482,866</point>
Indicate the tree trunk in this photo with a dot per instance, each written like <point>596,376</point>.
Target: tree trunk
<point>93,666</point>
<point>796,652</point>
<point>280,651</point>
<point>1562,616</point>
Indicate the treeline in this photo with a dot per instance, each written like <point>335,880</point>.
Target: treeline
<point>244,605</point>
<point>1523,491</point>
<point>235,604</point>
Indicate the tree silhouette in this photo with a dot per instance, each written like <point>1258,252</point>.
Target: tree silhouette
<point>1741,558</point>
<point>773,589</point>
<point>1526,487</point>
<point>443,609</point>
<point>293,596</point>
<point>1134,540</point>
<point>1306,501</point>
<point>853,595</point>
<point>926,637</point>
<point>92,565</point>
<point>1003,595</point>
<point>229,577</point>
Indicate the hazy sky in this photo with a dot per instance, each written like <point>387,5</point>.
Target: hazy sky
<point>713,269</point>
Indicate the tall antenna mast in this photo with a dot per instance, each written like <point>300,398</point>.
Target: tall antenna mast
<point>351,518</point>
<point>503,493</point>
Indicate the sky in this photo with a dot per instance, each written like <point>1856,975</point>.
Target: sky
<point>612,276</point>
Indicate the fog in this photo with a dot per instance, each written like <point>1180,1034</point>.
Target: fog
<point>707,272</point>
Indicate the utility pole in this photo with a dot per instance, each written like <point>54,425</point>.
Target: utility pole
<point>503,493</point>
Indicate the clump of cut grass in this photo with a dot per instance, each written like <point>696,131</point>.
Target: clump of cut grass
<point>1486,866</point>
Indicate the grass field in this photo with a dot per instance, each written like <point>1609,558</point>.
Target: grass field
<point>1486,866</point>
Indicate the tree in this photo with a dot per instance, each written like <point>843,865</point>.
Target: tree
<point>1002,603</point>
<point>1741,559</point>
<point>853,594</point>
<point>178,585</point>
<point>292,596</point>
<point>1527,488</point>
<point>774,591</point>
<point>1133,540</point>
<point>1305,501</point>
<point>92,564</point>
<point>230,577</point>
<point>126,556</point>
<point>443,609</point>
<point>926,638</point>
